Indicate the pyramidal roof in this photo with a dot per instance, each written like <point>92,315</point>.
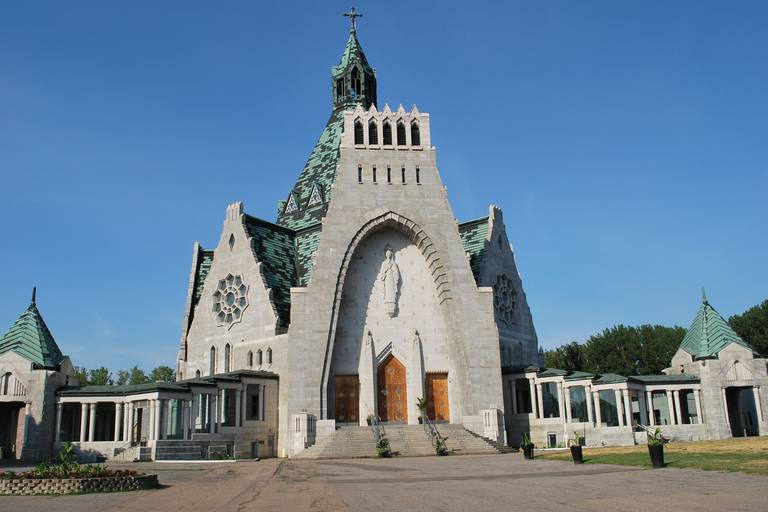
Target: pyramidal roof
<point>709,334</point>
<point>353,53</point>
<point>30,338</point>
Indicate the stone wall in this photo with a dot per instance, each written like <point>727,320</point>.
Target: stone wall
<point>27,486</point>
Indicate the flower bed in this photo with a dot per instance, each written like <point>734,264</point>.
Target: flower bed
<point>125,481</point>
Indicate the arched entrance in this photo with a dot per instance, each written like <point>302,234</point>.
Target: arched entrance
<point>391,391</point>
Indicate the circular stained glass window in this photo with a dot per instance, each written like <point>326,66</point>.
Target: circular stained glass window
<point>230,300</point>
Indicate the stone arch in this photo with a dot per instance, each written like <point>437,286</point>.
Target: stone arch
<point>379,220</point>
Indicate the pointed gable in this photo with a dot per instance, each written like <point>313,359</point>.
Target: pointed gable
<point>30,338</point>
<point>709,334</point>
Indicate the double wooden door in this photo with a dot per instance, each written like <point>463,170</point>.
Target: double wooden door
<point>391,393</point>
<point>437,396</point>
<point>347,399</point>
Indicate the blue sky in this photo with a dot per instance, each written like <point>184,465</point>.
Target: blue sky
<point>626,143</point>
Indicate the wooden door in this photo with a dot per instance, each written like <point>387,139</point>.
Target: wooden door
<point>392,396</point>
<point>347,399</point>
<point>437,396</point>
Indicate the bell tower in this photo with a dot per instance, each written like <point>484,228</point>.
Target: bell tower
<point>353,80</point>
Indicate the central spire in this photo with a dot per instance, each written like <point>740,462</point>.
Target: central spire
<point>353,80</point>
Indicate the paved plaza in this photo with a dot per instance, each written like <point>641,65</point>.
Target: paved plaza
<point>458,483</point>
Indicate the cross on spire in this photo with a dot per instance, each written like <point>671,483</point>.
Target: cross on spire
<point>352,14</point>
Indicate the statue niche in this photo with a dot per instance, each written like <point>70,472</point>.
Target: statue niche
<point>389,275</point>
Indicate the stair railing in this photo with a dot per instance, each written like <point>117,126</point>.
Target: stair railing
<point>650,430</point>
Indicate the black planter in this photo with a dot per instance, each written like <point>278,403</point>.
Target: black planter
<point>657,455</point>
<point>369,422</point>
<point>576,454</point>
<point>528,451</point>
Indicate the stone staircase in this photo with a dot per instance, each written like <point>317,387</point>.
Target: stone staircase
<point>180,450</point>
<point>462,441</point>
<point>404,441</point>
<point>344,443</point>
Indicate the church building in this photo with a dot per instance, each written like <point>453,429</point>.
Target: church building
<point>365,294</point>
<point>362,299</point>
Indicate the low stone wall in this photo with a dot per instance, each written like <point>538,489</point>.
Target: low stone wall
<point>26,486</point>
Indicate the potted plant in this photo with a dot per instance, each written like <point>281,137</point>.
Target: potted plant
<point>422,405</point>
<point>441,447</point>
<point>575,443</point>
<point>656,449</point>
<point>369,419</point>
<point>383,447</point>
<point>527,447</point>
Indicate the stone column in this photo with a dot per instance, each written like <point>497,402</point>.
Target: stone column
<point>238,399</point>
<point>598,414</point>
<point>513,396</point>
<point>92,423</point>
<point>756,392</point>
<point>415,378</point>
<point>619,411</point>
<point>163,418</point>
<point>219,394</point>
<point>678,409</point>
<point>697,397</point>
<point>671,406</point>
<point>588,399</point>
<point>193,413</point>
<point>152,421</point>
<point>59,407</point>
<point>244,405</point>
<point>118,419</point>
<point>628,406</point>
<point>725,408</point>
<point>651,415</point>
<point>129,423</point>
<point>641,405</point>
<point>540,397</point>
<point>532,389</point>
<point>185,421</point>
<point>83,421</point>
<point>561,400</point>
<point>567,400</point>
<point>28,417</point>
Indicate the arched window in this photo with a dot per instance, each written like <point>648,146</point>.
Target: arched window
<point>249,358</point>
<point>359,133</point>
<point>259,357</point>
<point>231,241</point>
<point>415,134</point>
<point>339,89</point>
<point>356,89</point>
<point>373,133</point>
<point>213,361</point>
<point>387,133</point>
<point>401,134</point>
<point>227,357</point>
<point>269,356</point>
<point>181,376</point>
<point>197,374</point>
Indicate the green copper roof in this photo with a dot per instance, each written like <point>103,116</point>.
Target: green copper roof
<point>709,334</point>
<point>473,234</point>
<point>30,338</point>
<point>352,53</point>
<point>274,247</point>
<point>321,170</point>
<point>306,244</point>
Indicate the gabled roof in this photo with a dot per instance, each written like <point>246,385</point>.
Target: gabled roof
<point>30,338</point>
<point>709,334</point>
<point>473,236</point>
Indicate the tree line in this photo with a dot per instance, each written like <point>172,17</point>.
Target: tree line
<point>647,349</point>
<point>103,377</point>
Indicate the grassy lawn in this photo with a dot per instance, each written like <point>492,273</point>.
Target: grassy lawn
<point>749,455</point>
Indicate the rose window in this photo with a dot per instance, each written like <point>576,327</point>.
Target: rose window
<point>505,300</point>
<point>230,300</point>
